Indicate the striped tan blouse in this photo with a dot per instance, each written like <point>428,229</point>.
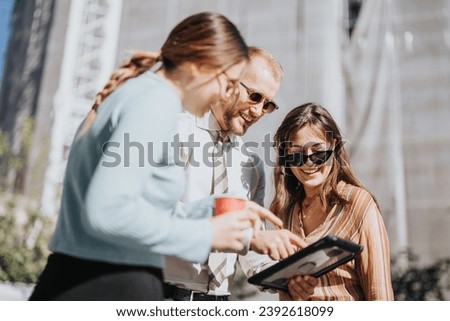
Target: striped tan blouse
<point>368,276</point>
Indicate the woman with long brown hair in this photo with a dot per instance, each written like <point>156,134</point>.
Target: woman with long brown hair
<point>317,193</point>
<point>119,214</point>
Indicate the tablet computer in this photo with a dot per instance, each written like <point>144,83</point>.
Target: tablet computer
<point>316,260</point>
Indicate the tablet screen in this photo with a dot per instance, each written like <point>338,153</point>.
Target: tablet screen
<point>316,260</point>
<point>309,265</point>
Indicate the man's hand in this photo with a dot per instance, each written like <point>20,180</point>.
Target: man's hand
<point>278,244</point>
<point>263,214</point>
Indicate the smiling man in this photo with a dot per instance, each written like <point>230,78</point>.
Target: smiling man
<point>243,176</point>
<point>259,85</point>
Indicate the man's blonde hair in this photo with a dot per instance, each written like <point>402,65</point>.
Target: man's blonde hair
<point>272,62</point>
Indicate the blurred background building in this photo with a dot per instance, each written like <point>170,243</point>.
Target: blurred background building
<point>381,67</point>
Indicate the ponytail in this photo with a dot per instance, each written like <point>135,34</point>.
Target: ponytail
<point>139,63</point>
<point>206,39</point>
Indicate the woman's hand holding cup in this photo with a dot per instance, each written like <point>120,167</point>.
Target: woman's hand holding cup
<point>229,231</point>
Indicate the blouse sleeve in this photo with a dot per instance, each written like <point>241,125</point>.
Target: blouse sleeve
<point>374,262</point>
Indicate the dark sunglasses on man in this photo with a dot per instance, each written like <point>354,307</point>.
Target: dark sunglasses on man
<point>300,159</point>
<point>256,98</point>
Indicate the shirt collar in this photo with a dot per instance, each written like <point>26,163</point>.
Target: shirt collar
<point>209,122</point>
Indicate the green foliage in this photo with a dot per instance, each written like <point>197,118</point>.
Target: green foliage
<point>15,162</point>
<point>24,231</point>
<point>420,283</point>
<point>22,257</point>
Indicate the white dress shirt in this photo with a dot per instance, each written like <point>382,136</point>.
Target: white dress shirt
<point>245,179</point>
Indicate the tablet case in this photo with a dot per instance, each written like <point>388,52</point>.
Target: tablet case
<point>316,260</point>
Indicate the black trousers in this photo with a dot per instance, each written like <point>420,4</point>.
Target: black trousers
<point>72,279</point>
<point>174,293</point>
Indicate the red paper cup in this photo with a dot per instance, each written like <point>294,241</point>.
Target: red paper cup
<point>229,204</point>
